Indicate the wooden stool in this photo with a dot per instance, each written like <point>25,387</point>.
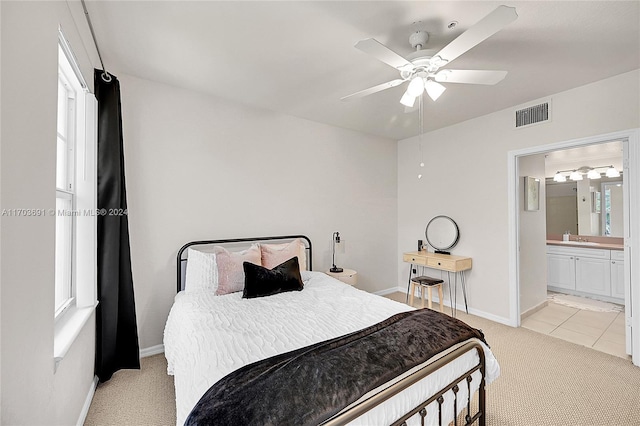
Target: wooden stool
<point>428,283</point>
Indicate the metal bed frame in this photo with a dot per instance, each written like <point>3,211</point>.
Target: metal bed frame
<point>360,407</point>
<point>182,261</point>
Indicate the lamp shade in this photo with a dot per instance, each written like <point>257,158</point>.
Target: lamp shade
<point>559,177</point>
<point>593,174</point>
<point>434,89</point>
<point>408,99</point>
<point>416,86</point>
<point>575,175</point>
<point>612,172</point>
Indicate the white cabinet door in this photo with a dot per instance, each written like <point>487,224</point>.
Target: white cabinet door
<point>617,279</point>
<point>593,275</point>
<point>561,271</point>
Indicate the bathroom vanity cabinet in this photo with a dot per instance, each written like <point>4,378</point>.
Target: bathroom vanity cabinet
<point>592,271</point>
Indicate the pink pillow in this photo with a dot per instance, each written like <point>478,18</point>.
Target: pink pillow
<point>275,254</point>
<point>230,269</point>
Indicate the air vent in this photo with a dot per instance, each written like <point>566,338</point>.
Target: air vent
<point>533,115</point>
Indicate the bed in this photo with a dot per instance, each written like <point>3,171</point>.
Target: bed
<point>210,338</point>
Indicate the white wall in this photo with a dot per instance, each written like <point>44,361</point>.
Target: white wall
<point>472,157</point>
<point>533,238</point>
<point>202,168</point>
<point>31,392</point>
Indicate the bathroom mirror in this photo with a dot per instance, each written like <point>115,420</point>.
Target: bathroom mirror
<point>442,233</point>
<point>587,207</point>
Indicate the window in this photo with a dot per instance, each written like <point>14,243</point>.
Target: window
<point>75,220</point>
<point>75,233</point>
<point>69,90</point>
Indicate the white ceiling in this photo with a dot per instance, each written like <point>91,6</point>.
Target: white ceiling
<point>597,155</point>
<point>298,58</point>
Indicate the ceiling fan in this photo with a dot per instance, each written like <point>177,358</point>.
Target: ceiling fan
<point>421,69</point>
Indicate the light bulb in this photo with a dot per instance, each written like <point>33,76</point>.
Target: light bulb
<point>419,176</point>
<point>434,89</point>
<point>421,164</point>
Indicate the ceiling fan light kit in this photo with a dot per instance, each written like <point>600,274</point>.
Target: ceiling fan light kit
<point>421,69</point>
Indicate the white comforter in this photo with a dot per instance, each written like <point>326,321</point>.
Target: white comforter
<point>207,337</point>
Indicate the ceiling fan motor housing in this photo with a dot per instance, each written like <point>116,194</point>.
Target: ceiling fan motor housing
<point>418,39</point>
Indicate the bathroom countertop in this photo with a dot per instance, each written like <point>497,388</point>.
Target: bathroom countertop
<point>586,244</point>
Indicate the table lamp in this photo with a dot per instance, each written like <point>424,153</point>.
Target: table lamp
<point>336,240</point>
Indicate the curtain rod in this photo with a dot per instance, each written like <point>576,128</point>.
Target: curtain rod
<point>105,74</point>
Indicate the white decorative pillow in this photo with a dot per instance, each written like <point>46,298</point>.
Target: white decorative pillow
<point>202,273</point>
<point>274,254</point>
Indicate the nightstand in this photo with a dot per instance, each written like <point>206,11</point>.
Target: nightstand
<point>347,276</point>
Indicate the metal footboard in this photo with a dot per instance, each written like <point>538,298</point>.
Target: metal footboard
<point>480,415</point>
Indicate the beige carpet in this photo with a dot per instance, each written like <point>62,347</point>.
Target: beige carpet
<point>544,381</point>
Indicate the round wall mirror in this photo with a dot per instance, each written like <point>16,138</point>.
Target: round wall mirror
<point>442,233</point>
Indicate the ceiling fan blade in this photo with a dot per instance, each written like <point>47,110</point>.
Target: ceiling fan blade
<point>374,89</point>
<point>488,77</point>
<point>485,28</point>
<point>374,48</point>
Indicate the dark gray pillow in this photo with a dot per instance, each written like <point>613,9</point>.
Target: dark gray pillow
<point>260,281</point>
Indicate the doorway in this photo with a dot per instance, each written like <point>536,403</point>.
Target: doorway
<point>631,143</point>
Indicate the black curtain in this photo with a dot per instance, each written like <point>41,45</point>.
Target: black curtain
<point>116,328</point>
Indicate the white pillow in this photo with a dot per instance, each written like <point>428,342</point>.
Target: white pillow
<point>202,272</point>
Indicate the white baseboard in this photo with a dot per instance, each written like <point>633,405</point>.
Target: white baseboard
<point>533,310</point>
<point>153,350</point>
<point>389,291</point>
<point>87,402</point>
<point>459,306</point>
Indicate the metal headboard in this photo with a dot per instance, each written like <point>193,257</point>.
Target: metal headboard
<point>182,262</point>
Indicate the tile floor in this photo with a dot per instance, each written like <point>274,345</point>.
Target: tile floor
<point>602,331</point>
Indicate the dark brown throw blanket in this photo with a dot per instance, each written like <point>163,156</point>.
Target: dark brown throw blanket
<point>310,385</point>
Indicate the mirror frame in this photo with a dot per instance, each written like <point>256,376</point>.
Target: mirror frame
<point>452,244</point>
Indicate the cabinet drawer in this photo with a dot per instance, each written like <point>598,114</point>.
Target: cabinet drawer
<point>617,255</point>
<point>449,265</point>
<point>416,260</point>
<point>596,253</point>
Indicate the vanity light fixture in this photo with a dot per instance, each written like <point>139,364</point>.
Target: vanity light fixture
<point>612,172</point>
<point>590,172</point>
